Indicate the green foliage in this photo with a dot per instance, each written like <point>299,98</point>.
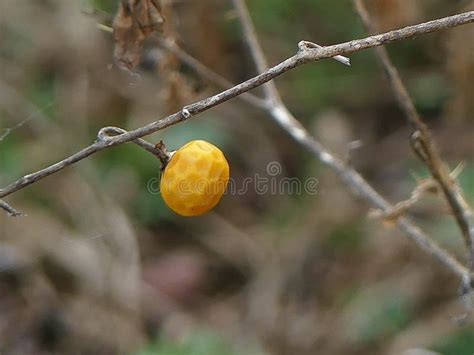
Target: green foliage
<point>345,238</point>
<point>430,92</point>
<point>377,313</point>
<point>460,343</point>
<point>272,18</point>
<point>466,180</point>
<point>42,94</point>
<point>200,342</point>
<point>109,6</point>
<point>10,157</point>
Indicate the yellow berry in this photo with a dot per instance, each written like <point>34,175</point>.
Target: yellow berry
<point>195,178</point>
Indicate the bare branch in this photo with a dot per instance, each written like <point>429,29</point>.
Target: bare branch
<point>339,58</point>
<point>425,144</point>
<point>352,178</point>
<point>9,130</point>
<point>103,141</point>
<point>364,190</point>
<point>198,67</point>
<point>270,90</point>
<point>9,209</point>
<point>300,58</point>
<point>290,124</point>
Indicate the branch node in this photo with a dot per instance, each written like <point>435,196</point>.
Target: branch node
<point>106,134</point>
<point>305,46</point>
<point>185,112</point>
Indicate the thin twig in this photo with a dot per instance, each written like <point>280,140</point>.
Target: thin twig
<point>158,151</point>
<point>259,58</point>
<point>352,178</point>
<point>9,130</point>
<point>426,144</point>
<point>424,186</point>
<point>338,58</point>
<point>9,209</point>
<point>364,190</point>
<point>289,123</point>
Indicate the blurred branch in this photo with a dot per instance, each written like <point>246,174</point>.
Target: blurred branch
<point>204,71</point>
<point>207,73</point>
<point>270,90</point>
<point>307,52</point>
<point>423,187</point>
<point>9,209</point>
<point>9,130</point>
<point>9,96</point>
<point>424,144</point>
<point>352,178</point>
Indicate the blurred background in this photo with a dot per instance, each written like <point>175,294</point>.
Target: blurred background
<point>101,266</point>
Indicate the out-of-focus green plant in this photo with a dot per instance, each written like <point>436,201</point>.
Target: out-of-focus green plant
<point>200,342</point>
<point>377,313</point>
<point>345,238</point>
<point>460,343</point>
<point>103,5</point>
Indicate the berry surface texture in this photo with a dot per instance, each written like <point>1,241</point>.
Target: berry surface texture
<point>195,178</point>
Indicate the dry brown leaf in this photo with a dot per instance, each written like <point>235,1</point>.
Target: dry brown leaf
<point>134,22</point>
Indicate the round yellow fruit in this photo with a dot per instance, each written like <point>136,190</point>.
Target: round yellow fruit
<point>195,178</point>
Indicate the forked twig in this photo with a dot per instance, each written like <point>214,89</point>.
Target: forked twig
<point>352,178</point>
<point>423,187</point>
<point>158,150</point>
<point>424,146</point>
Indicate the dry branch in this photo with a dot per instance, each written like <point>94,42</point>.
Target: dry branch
<point>9,209</point>
<point>306,54</point>
<point>352,178</point>
<point>207,73</point>
<point>424,146</point>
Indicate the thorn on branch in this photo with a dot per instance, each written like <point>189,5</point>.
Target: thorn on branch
<point>351,148</point>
